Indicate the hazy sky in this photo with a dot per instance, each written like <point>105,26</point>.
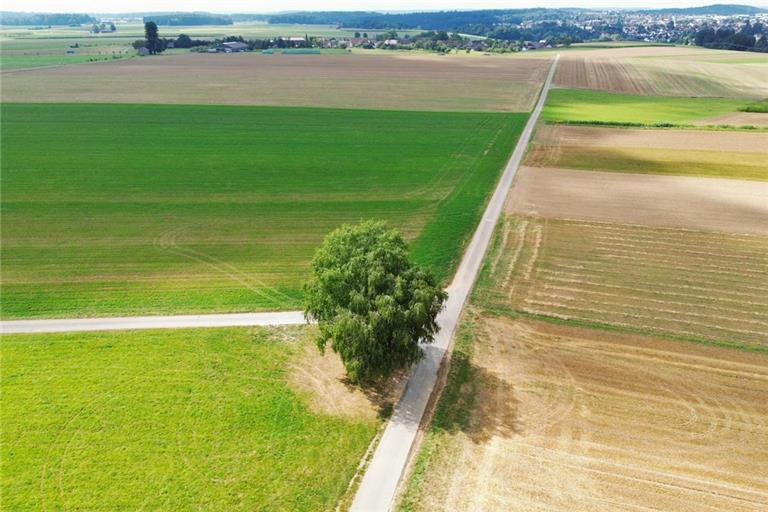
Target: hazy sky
<point>92,6</point>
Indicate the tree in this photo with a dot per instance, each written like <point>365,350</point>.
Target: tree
<point>153,39</point>
<point>357,35</point>
<point>371,302</point>
<point>183,41</point>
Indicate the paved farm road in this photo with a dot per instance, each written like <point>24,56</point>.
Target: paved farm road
<point>379,484</point>
<point>151,322</point>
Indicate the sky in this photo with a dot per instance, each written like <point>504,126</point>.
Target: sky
<point>230,6</point>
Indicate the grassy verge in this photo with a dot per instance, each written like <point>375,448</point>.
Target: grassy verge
<point>168,420</point>
<point>452,412</point>
<point>151,209</point>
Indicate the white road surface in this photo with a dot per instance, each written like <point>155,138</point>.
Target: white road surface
<point>379,484</point>
<point>151,322</point>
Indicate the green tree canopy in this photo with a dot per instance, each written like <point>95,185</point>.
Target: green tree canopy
<point>370,301</point>
<point>152,37</point>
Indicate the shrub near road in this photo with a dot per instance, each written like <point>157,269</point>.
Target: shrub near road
<point>157,209</point>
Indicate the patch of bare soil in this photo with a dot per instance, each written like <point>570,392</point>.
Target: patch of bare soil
<point>349,81</point>
<point>565,135</point>
<point>676,201</point>
<point>599,421</point>
<point>738,119</point>
<point>321,378</point>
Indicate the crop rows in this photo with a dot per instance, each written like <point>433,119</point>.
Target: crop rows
<point>690,284</point>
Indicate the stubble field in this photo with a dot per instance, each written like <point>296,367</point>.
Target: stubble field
<point>708,204</point>
<point>666,71</point>
<point>693,285</point>
<point>381,81</point>
<point>217,419</point>
<point>537,416</point>
<point>159,209</point>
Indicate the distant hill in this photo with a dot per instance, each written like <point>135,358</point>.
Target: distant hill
<point>45,19</point>
<point>715,9</point>
<point>188,18</point>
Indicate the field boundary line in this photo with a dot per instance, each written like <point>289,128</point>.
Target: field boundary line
<point>378,488</point>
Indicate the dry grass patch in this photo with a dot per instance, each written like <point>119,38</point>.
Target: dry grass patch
<point>583,420</point>
<point>702,286</point>
<point>739,119</point>
<point>394,81</point>
<point>676,201</point>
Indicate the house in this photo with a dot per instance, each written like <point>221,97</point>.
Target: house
<point>143,51</point>
<point>232,47</point>
<point>390,42</point>
<point>296,41</point>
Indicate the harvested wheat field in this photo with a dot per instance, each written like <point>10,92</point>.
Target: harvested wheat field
<point>694,285</point>
<point>716,204</point>
<point>727,154</point>
<point>547,417</point>
<point>665,71</point>
<point>493,83</point>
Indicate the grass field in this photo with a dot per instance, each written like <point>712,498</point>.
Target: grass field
<point>381,80</point>
<point>692,285</point>
<point>158,209</point>
<point>169,420</point>
<point>536,416</point>
<point>603,107</point>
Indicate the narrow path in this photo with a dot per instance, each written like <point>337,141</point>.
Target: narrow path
<point>151,322</point>
<point>379,484</point>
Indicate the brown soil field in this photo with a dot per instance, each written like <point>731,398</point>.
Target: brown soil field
<point>571,419</point>
<point>665,71</point>
<point>676,201</point>
<point>746,142</point>
<point>738,119</point>
<point>396,81</point>
<point>697,285</point>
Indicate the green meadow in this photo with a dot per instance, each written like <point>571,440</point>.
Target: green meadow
<point>199,419</point>
<point>146,209</point>
<point>581,105</point>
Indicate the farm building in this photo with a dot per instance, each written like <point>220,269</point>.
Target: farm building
<point>234,46</point>
<point>143,51</point>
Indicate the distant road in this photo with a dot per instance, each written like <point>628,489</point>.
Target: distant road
<point>379,484</point>
<point>151,322</point>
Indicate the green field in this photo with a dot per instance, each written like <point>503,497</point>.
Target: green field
<point>579,105</point>
<point>168,420</point>
<point>128,209</point>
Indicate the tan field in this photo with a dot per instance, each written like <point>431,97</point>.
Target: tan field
<point>697,140</point>
<point>726,154</point>
<point>739,118</point>
<point>571,419</point>
<point>422,82</point>
<point>666,71</point>
<point>687,284</point>
<point>676,201</point>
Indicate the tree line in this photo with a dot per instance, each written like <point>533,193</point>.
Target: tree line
<point>726,38</point>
